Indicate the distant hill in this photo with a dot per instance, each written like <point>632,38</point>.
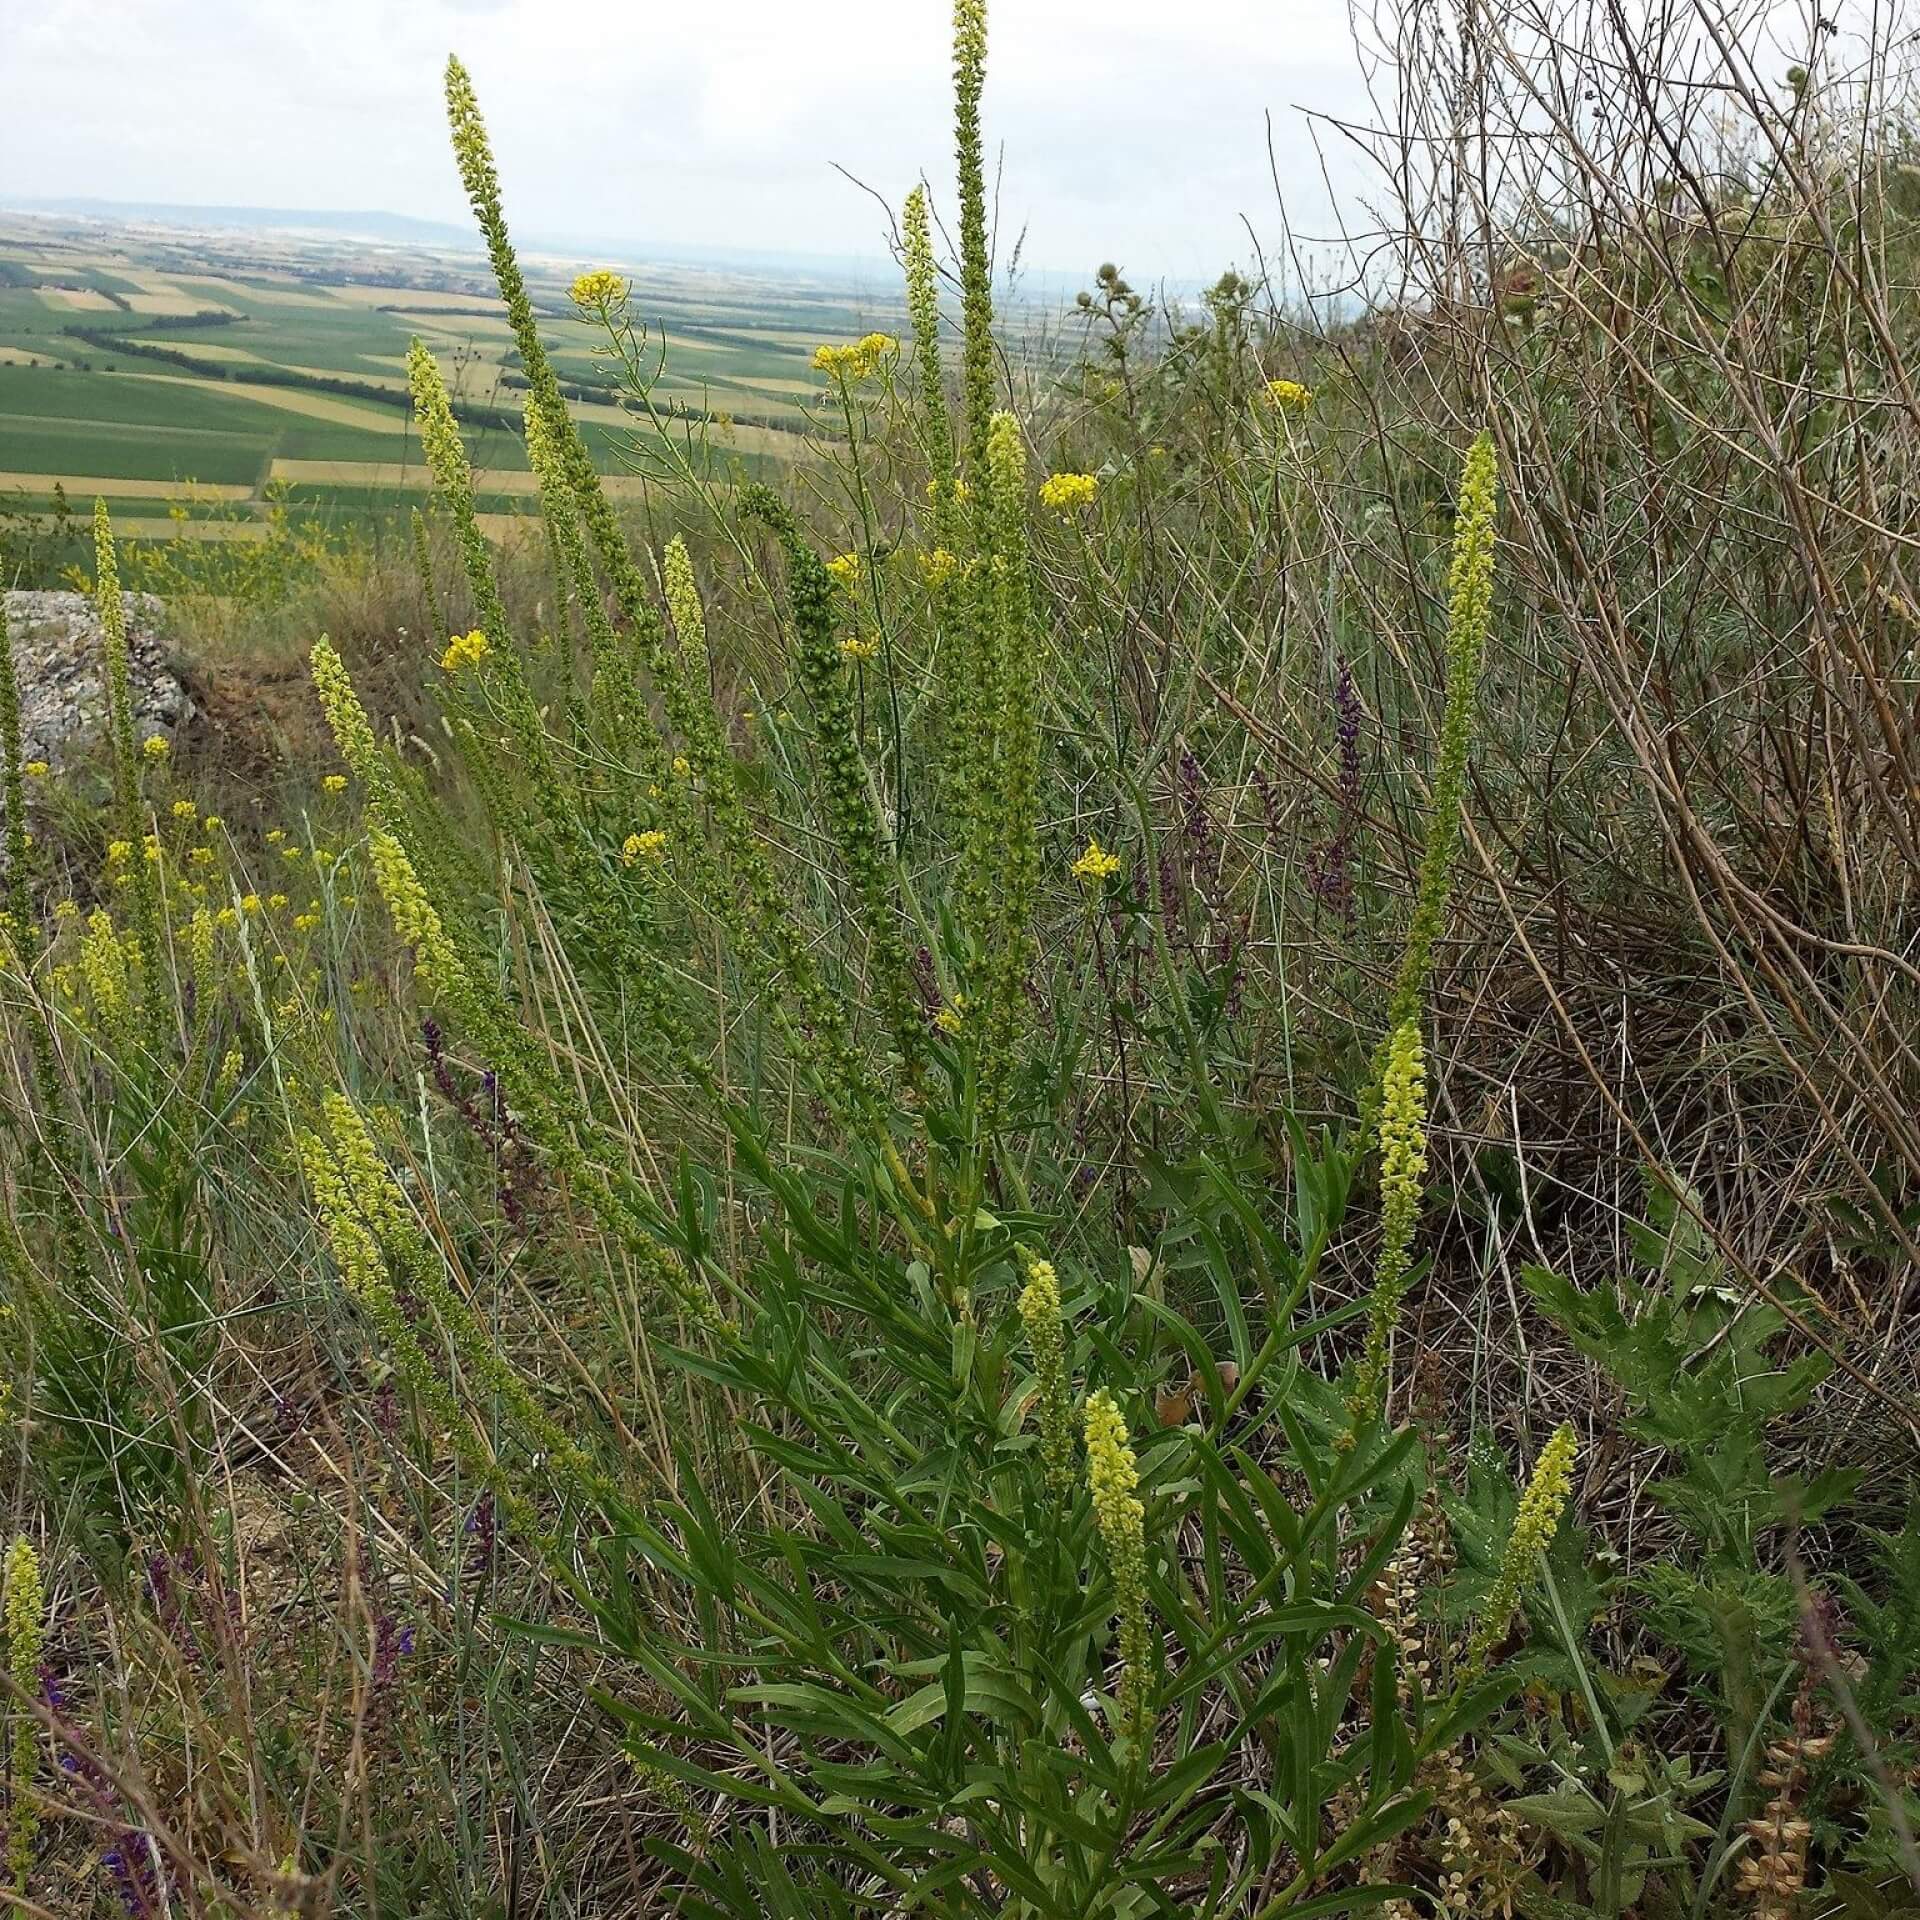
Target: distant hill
<point>366,224</point>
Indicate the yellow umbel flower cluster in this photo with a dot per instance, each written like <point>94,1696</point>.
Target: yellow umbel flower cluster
<point>1096,864</point>
<point>1534,1525</point>
<point>1113,1479</point>
<point>1046,1329</point>
<point>845,568</point>
<point>26,1619</point>
<point>938,567</point>
<point>858,359</point>
<point>464,650</point>
<point>858,647</point>
<point>596,291</point>
<point>1286,396</point>
<point>1066,492</point>
<point>651,845</point>
<point>156,746</point>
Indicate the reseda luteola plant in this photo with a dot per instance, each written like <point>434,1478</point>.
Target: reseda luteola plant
<point>1395,1110</point>
<point>959,1643</point>
<point>1036,1671</point>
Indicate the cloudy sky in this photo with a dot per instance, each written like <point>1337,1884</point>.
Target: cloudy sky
<point>1131,129</point>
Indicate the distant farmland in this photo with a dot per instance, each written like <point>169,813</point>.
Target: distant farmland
<point>130,370</point>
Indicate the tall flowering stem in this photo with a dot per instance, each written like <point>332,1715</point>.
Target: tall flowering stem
<point>1469,614</point>
<point>1113,1478</point>
<point>768,925</point>
<point>13,788</point>
<point>976,267</point>
<point>1534,1525</point>
<point>1005,853</point>
<point>26,1632</point>
<point>126,758</point>
<point>923,307</point>
<point>423,564</point>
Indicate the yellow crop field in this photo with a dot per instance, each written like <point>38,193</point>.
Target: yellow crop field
<point>77,299</point>
<point>408,299</point>
<point>83,486</point>
<point>315,406</point>
<point>383,473</point>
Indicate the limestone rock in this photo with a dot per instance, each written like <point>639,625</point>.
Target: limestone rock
<point>59,659</point>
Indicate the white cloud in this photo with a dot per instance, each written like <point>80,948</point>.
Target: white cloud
<point>1129,129</point>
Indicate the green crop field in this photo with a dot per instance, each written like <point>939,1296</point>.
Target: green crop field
<point>261,331</point>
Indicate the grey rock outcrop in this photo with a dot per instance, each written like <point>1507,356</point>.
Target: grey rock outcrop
<point>59,659</point>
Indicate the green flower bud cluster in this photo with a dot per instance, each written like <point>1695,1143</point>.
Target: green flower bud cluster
<point>26,1623</point>
<point>1046,1330</point>
<point>1113,1479</point>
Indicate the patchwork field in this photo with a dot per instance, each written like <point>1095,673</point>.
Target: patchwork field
<point>150,364</point>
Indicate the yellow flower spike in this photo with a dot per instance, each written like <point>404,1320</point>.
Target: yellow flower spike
<point>1067,492</point>
<point>414,917</point>
<point>1403,1165</point>
<point>1535,1523</point>
<point>26,1622</point>
<point>103,964</point>
<point>1096,864</point>
<point>651,845</point>
<point>598,291</point>
<point>1113,1478</point>
<point>1046,1331</point>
